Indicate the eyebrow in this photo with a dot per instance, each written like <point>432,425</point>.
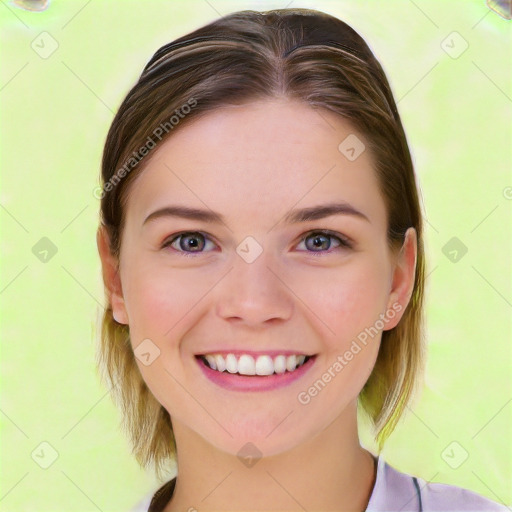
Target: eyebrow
<point>292,217</point>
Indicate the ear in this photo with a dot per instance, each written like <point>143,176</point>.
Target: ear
<point>402,282</point>
<point>111,278</point>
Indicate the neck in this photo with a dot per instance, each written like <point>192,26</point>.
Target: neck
<point>328,472</point>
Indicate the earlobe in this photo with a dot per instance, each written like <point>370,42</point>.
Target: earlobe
<point>404,273</point>
<point>111,277</point>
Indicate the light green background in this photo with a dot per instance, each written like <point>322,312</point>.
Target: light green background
<point>55,113</point>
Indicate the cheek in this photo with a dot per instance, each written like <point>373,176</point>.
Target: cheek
<point>158,299</point>
<point>348,299</point>
<point>347,303</point>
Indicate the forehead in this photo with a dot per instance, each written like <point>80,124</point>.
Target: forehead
<point>262,157</point>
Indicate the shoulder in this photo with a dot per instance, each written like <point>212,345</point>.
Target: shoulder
<point>437,496</point>
<point>395,490</point>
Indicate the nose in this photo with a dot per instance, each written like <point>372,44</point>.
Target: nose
<point>254,293</point>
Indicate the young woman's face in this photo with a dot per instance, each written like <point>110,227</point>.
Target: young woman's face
<point>258,283</point>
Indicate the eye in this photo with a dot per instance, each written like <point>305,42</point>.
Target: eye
<point>189,240</point>
<point>321,240</point>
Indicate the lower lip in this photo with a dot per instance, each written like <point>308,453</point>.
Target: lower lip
<point>236,382</point>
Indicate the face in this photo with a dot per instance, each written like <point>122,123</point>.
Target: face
<point>258,282</point>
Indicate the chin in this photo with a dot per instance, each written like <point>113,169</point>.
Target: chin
<point>258,439</point>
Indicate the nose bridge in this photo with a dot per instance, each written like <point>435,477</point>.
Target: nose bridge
<point>253,291</point>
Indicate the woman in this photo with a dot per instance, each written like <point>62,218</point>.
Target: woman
<point>262,251</point>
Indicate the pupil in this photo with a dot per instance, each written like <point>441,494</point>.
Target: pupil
<point>192,241</point>
<point>318,242</point>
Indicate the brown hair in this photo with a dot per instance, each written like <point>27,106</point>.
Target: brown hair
<point>248,55</point>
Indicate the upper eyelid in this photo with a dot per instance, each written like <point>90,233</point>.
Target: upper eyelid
<point>173,237</point>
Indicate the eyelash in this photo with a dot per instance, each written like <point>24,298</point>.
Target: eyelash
<point>344,243</point>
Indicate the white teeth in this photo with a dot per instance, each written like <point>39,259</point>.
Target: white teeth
<point>220,363</point>
<point>231,364</point>
<point>291,363</point>
<point>211,361</point>
<point>280,364</point>
<point>264,365</point>
<point>246,365</point>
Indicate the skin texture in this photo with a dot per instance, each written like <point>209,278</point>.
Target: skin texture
<point>252,164</point>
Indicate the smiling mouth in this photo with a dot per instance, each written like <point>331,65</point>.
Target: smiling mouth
<point>246,364</point>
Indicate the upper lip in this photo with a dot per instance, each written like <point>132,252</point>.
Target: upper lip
<point>255,353</point>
